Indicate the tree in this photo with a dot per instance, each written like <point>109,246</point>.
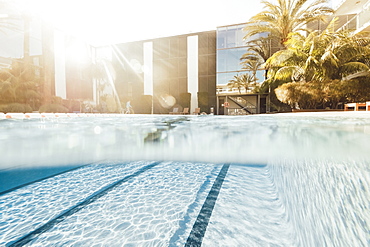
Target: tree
<point>252,64</point>
<point>246,81</point>
<point>19,84</point>
<point>323,64</point>
<point>258,51</point>
<point>285,17</point>
<point>322,56</point>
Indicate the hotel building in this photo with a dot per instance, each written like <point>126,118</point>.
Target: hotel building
<point>177,72</point>
<point>156,75</point>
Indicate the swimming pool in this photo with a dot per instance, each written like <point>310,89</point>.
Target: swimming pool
<point>263,180</point>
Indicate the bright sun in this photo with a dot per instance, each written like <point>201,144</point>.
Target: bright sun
<point>113,21</point>
<point>93,21</point>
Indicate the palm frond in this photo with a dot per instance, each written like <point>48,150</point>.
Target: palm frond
<point>353,70</point>
<point>297,8</point>
<point>289,73</point>
<point>279,58</point>
<point>330,58</point>
<point>263,16</point>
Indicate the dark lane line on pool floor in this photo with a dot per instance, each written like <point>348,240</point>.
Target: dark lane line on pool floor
<point>16,176</point>
<point>98,194</point>
<point>199,228</point>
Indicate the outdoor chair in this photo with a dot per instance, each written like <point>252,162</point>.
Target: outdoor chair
<point>175,111</point>
<point>197,111</point>
<point>185,111</point>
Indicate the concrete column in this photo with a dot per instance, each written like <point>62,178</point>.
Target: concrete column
<point>148,68</point>
<point>193,71</point>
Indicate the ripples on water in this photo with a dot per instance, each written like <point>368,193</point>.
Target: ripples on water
<point>295,179</point>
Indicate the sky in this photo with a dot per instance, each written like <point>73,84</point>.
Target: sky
<point>103,22</point>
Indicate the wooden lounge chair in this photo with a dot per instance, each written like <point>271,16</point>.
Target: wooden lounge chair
<point>355,107</point>
<point>185,111</point>
<point>197,111</point>
<point>175,111</point>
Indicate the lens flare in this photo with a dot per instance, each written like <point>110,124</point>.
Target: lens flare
<point>167,101</point>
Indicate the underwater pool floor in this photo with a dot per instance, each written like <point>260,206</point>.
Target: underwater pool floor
<point>174,204</point>
<point>156,206</point>
<point>261,180</point>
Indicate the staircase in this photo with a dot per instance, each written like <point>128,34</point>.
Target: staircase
<point>243,104</point>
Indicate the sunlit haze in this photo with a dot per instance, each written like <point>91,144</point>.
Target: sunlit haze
<point>102,22</point>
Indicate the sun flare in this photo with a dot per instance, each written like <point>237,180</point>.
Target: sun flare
<point>92,21</point>
<point>102,22</point>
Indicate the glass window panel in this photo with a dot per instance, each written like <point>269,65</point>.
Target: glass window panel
<point>224,78</point>
<point>221,38</point>
<point>240,36</point>
<point>230,76</point>
<point>233,59</point>
<point>221,60</point>
<point>260,76</point>
<point>231,38</point>
<point>221,78</point>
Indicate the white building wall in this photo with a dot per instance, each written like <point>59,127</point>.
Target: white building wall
<point>193,71</point>
<point>148,68</point>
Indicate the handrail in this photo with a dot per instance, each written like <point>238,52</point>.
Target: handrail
<point>240,105</point>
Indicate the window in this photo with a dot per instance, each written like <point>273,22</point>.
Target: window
<point>231,38</point>
<point>233,59</point>
<point>221,60</point>
<point>221,38</point>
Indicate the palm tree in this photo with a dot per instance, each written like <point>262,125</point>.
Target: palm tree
<point>324,64</point>
<point>322,56</point>
<point>285,17</point>
<point>259,49</point>
<point>246,81</point>
<point>252,64</point>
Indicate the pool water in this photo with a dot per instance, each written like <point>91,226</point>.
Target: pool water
<point>268,180</point>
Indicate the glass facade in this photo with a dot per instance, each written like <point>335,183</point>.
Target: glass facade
<point>178,65</point>
<point>230,48</point>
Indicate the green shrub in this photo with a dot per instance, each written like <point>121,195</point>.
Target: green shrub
<point>15,107</point>
<point>185,99</point>
<point>72,105</point>
<point>203,102</point>
<point>53,108</point>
